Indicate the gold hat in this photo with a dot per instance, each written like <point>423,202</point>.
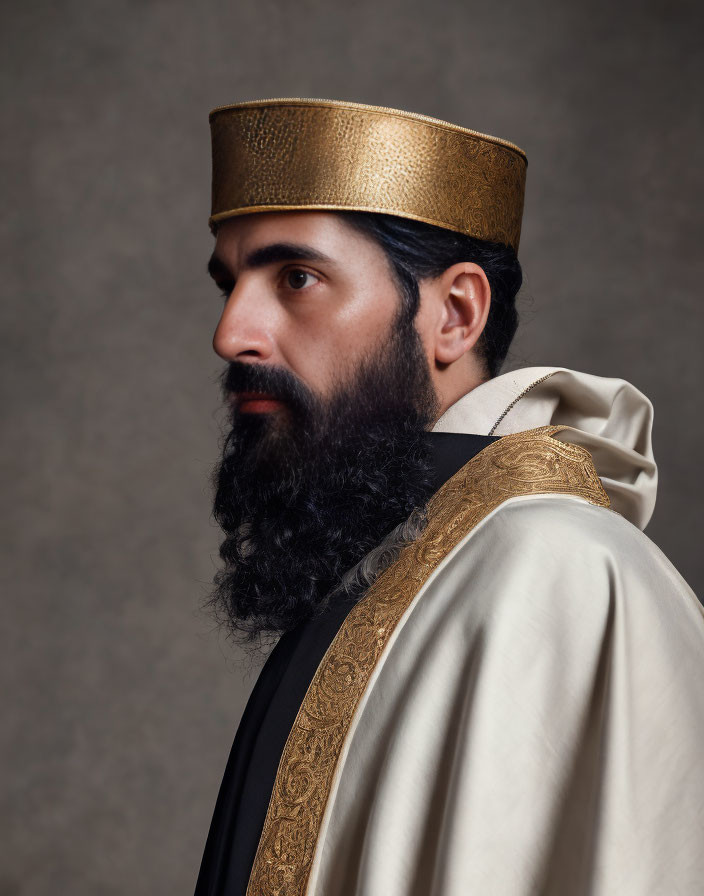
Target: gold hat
<point>297,154</point>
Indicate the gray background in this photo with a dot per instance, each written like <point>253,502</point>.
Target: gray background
<point>125,698</point>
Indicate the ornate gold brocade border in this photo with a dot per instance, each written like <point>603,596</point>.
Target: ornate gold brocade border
<point>524,463</point>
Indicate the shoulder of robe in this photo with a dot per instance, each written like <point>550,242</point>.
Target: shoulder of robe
<point>563,555</point>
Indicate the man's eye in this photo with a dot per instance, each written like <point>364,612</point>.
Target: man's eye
<point>225,291</point>
<point>297,278</point>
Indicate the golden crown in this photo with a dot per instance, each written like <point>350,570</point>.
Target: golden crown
<point>298,154</point>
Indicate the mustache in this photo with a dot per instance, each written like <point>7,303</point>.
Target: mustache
<point>278,382</point>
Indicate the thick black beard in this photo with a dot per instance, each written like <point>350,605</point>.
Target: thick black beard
<point>303,493</point>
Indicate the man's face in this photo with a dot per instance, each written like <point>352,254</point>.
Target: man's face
<point>305,293</point>
<point>332,457</point>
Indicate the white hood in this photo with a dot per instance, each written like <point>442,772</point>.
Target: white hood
<point>612,419</point>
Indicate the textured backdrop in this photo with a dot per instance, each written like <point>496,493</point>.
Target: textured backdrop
<point>125,699</point>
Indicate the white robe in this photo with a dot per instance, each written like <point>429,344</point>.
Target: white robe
<point>535,723</point>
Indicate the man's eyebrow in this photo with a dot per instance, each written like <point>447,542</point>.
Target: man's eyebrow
<point>266,255</point>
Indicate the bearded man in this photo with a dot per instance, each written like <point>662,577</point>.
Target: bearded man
<point>486,678</point>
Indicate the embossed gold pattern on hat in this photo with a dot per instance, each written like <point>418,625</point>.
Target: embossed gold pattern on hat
<point>297,154</point>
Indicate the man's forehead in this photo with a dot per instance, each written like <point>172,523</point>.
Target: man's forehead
<point>286,223</point>
<point>309,235</point>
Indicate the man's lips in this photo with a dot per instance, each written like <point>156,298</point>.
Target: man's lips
<point>254,401</point>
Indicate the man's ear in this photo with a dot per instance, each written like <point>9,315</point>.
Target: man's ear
<point>462,297</point>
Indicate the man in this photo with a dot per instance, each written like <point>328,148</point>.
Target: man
<point>486,678</point>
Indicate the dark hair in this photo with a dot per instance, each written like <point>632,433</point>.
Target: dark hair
<point>417,251</point>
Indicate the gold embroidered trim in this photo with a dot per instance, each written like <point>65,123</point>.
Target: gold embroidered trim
<point>524,463</point>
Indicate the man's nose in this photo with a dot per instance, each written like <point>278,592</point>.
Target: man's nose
<point>245,326</point>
